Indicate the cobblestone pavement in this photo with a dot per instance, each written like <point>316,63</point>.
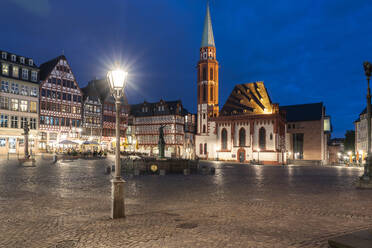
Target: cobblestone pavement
<point>68,205</point>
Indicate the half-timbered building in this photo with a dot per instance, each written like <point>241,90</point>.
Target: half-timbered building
<point>60,104</point>
<point>149,117</point>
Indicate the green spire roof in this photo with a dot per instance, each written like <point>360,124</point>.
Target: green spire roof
<point>207,39</point>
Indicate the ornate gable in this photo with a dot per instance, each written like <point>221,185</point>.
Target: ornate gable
<point>248,99</point>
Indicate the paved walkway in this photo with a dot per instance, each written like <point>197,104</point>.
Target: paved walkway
<point>68,205</point>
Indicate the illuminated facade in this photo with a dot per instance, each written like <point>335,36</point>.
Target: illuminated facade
<point>149,117</point>
<point>308,132</point>
<point>249,126</point>
<point>99,88</point>
<point>19,104</point>
<point>60,104</point>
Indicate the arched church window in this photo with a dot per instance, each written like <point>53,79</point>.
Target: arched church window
<point>204,74</point>
<point>211,74</point>
<point>205,148</point>
<point>262,138</point>
<point>204,92</point>
<point>204,129</point>
<point>242,137</point>
<point>211,93</point>
<point>201,148</point>
<point>203,115</point>
<point>224,139</point>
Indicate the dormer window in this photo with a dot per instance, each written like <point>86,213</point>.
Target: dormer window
<point>22,60</point>
<point>30,62</point>
<point>3,55</point>
<point>13,58</point>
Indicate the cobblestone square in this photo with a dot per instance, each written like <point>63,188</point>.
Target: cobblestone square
<point>68,205</point>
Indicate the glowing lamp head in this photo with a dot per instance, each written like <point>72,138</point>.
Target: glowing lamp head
<point>360,152</point>
<point>117,79</point>
<point>258,149</point>
<point>349,153</point>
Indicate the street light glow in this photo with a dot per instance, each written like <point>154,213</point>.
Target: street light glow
<point>117,79</point>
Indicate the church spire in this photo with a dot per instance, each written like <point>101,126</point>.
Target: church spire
<point>208,39</point>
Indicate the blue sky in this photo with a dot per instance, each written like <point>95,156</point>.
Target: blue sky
<point>304,51</point>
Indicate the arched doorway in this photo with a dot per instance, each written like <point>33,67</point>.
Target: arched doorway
<point>241,155</point>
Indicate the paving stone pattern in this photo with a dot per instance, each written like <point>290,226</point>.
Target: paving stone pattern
<point>67,205</point>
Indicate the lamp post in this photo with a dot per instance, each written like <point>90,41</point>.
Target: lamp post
<point>368,70</point>
<point>117,80</point>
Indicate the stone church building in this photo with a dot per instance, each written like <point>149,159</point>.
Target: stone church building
<point>249,126</point>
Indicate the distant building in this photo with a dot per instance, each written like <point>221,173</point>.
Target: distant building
<point>308,132</point>
<point>92,116</point>
<point>19,104</point>
<point>336,150</point>
<point>60,104</point>
<point>147,119</point>
<point>101,89</point>
<point>361,129</point>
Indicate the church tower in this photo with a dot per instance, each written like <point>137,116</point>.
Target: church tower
<point>207,77</point>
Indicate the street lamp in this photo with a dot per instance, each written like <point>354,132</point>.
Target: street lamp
<point>117,80</point>
<point>368,71</point>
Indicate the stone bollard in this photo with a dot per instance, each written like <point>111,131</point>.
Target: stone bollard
<point>108,170</point>
<point>186,172</point>
<point>136,172</point>
<point>212,170</point>
<point>54,159</point>
<point>162,172</point>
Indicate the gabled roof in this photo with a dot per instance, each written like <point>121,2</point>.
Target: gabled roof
<point>303,112</point>
<point>101,89</point>
<point>248,99</point>
<point>170,108</point>
<point>47,67</point>
<point>207,38</point>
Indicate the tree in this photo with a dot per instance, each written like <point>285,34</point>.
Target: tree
<point>349,143</point>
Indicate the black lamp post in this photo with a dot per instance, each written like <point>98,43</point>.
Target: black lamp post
<point>117,80</point>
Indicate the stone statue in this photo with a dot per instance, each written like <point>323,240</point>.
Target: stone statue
<point>161,143</point>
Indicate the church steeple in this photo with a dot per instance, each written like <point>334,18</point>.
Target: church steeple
<point>207,38</point>
<point>207,75</point>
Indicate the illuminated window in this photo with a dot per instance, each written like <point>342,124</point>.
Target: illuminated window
<point>242,137</point>
<point>23,106</point>
<point>262,138</point>
<point>224,139</point>
<point>15,71</point>
<point>33,106</point>
<point>14,104</point>
<point>5,69</point>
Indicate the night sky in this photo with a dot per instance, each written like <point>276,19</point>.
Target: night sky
<point>304,51</point>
